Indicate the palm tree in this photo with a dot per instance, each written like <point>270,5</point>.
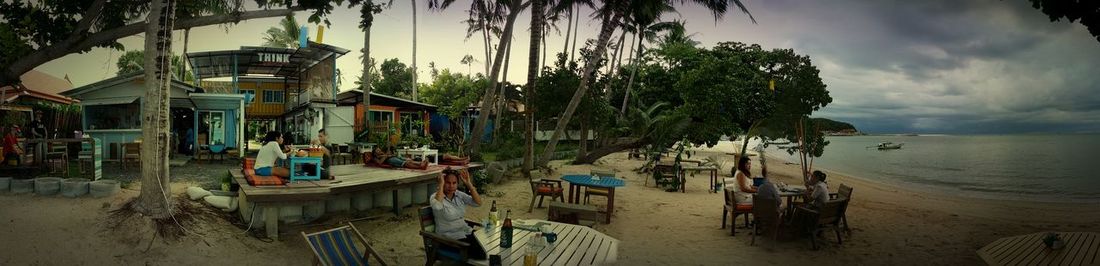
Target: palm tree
<point>367,11</point>
<point>538,19</point>
<point>610,13</point>
<point>284,36</point>
<point>468,60</point>
<point>413,69</point>
<point>153,200</point>
<point>642,15</point>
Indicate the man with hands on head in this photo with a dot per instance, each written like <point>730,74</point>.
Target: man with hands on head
<point>449,209</point>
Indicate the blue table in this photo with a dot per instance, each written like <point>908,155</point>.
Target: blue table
<point>610,183</point>
<point>298,173</point>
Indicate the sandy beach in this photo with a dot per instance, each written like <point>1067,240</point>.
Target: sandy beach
<point>890,224</point>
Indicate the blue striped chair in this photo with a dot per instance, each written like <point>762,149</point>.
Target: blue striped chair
<point>335,247</point>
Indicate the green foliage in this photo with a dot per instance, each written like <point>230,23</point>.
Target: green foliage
<point>453,92</point>
<point>134,61</point>
<point>284,36</point>
<point>825,124</point>
<point>1086,11</point>
<point>396,77</point>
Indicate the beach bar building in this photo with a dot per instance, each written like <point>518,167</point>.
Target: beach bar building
<point>112,112</point>
<point>404,116</point>
<point>290,90</point>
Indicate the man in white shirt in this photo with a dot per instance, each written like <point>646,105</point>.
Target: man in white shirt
<point>449,209</point>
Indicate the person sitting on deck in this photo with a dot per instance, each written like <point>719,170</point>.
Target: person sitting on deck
<point>326,159</point>
<point>265,159</point>
<point>381,157</point>
<point>449,209</point>
<point>744,188</point>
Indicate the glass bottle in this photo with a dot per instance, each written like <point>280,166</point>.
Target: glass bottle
<point>506,231</point>
<point>494,216</point>
<point>531,255</point>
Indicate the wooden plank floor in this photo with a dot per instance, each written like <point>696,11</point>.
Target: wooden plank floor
<point>348,178</point>
<point>1081,248</point>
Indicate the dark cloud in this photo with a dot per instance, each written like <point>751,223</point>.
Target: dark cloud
<point>984,66</point>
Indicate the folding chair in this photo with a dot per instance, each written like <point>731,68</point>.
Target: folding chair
<point>335,247</point>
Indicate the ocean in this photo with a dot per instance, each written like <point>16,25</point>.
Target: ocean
<point>1047,168</point>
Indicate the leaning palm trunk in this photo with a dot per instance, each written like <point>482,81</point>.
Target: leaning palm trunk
<point>414,91</point>
<point>633,72</point>
<point>488,100</point>
<point>533,70</point>
<point>153,200</point>
<point>610,21</point>
<point>501,107</point>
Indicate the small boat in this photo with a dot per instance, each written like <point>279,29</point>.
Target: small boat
<point>889,146</point>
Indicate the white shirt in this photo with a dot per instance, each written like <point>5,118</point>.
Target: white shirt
<point>820,194</point>
<point>268,153</point>
<point>450,215</point>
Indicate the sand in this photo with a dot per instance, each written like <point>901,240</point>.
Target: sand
<point>891,225</point>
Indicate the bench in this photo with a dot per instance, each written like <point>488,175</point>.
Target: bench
<point>574,213</point>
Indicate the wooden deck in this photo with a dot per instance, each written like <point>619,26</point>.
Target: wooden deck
<point>348,179</point>
<point>1081,249</point>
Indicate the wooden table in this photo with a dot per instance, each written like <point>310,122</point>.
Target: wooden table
<point>1081,248</point>
<point>713,170</point>
<point>576,245</point>
<point>610,183</point>
<point>790,195</point>
<point>423,153</point>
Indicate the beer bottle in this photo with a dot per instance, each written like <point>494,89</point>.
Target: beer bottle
<point>494,217</point>
<point>506,231</point>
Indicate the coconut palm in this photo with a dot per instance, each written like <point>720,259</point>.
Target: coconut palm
<point>153,200</point>
<point>284,36</point>
<point>538,20</point>
<point>367,10</point>
<point>611,14</point>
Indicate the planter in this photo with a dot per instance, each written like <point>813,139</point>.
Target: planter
<point>47,186</point>
<point>74,187</point>
<point>19,186</point>
<point>5,184</point>
<point>103,188</point>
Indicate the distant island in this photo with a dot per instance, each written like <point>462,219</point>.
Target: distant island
<point>835,128</point>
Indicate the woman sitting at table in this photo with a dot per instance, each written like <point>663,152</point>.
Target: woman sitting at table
<point>381,157</point>
<point>743,189</point>
<point>271,151</point>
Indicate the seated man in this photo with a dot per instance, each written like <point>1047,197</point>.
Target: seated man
<point>12,152</point>
<point>817,193</point>
<point>449,209</point>
<point>380,157</point>
<point>326,159</point>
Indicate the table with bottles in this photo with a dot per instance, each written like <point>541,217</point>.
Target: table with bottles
<point>571,245</point>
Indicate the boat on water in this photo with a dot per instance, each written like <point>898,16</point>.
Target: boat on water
<point>889,146</point>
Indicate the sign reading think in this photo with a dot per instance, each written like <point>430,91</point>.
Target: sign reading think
<point>274,58</point>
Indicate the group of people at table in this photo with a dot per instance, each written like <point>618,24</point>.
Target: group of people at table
<point>815,194</point>
<point>273,150</point>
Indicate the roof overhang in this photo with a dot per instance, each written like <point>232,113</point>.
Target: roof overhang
<point>353,97</point>
<point>217,101</point>
<point>266,61</point>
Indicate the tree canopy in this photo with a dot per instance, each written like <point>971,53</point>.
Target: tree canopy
<point>396,77</point>
<point>1088,12</point>
<point>133,61</point>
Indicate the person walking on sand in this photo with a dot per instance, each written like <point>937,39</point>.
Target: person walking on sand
<point>449,208</point>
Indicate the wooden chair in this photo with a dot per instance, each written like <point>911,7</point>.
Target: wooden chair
<point>844,192</point>
<point>335,247</point>
<point>202,148</point>
<point>765,213</point>
<point>574,214</point>
<point>131,152</point>
<point>545,187</point>
<point>341,152</point>
<point>733,209</point>
<point>59,151</point>
<point>598,191</point>
<point>437,246</point>
<point>827,217</point>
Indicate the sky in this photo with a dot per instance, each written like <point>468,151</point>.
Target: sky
<point>955,67</point>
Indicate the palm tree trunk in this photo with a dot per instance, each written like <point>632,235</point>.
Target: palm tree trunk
<point>577,22</point>
<point>414,90</point>
<point>500,105</point>
<point>611,63</point>
<point>543,64</point>
<point>186,40</point>
<point>633,72</point>
<point>610,21</point>
<point>538,18</point>
<point>368,22</point>
<point>582,147</point>
<point>487,100</point>
<point>153,200</point>
<point>487,36</point>
<point>568,32</point>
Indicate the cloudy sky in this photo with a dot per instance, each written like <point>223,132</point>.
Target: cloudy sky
<point>978,66</point>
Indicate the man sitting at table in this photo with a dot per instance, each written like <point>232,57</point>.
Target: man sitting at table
<point>817,191</point>
<point>449,209</point>
<point>381,157</point>
<point>326,158</point>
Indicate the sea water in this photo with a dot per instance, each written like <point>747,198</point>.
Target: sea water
<point>1049,168</point>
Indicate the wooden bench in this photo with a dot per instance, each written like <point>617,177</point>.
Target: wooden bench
<point>586,215</point>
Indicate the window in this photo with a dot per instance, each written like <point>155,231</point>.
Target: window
<point>273,97</point>
<point>115,116</point>
<point>249,92</point>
